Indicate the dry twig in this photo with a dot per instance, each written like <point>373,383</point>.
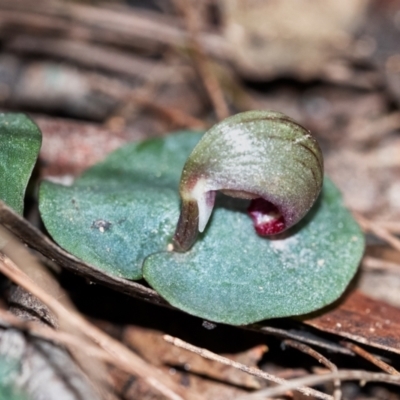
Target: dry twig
<point>337,394</point>
<point>371,358</point>
<point>250,370</point>
<point>201,61</point>
<point>377,230</point>
<point>301,337</point>
<point>391,226</point>
<point>373,263</point>
<point>343,375</point>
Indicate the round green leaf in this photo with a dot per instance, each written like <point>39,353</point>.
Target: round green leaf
<point>234,276</point>
<point>20,141</point>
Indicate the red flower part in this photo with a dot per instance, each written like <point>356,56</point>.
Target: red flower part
<point>266,217</point>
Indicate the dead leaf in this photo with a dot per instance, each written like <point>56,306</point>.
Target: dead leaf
<point>363,320</point>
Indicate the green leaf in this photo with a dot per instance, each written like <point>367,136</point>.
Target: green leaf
<point>20,141</point>
<point>123,209</point>
<point>234,276</point>
<point>121,214</point>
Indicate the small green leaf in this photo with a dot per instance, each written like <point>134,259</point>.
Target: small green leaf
<point>121,215</point>
<point>20,141</point>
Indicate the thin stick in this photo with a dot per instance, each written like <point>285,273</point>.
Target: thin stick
<point>242,367</point>
<point>152,375</point>
<point>343,375</point>
<point>201,61</point>
<point>373,263</point>
<point>371,358</point>
<point>288,334</point>
<point>337,393</point>
<point>378,230</point>
<point>391,226</point>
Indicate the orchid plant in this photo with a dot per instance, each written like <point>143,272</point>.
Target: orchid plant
<point>235,225</point>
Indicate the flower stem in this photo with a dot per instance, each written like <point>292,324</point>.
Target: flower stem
<point>188,226</point>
